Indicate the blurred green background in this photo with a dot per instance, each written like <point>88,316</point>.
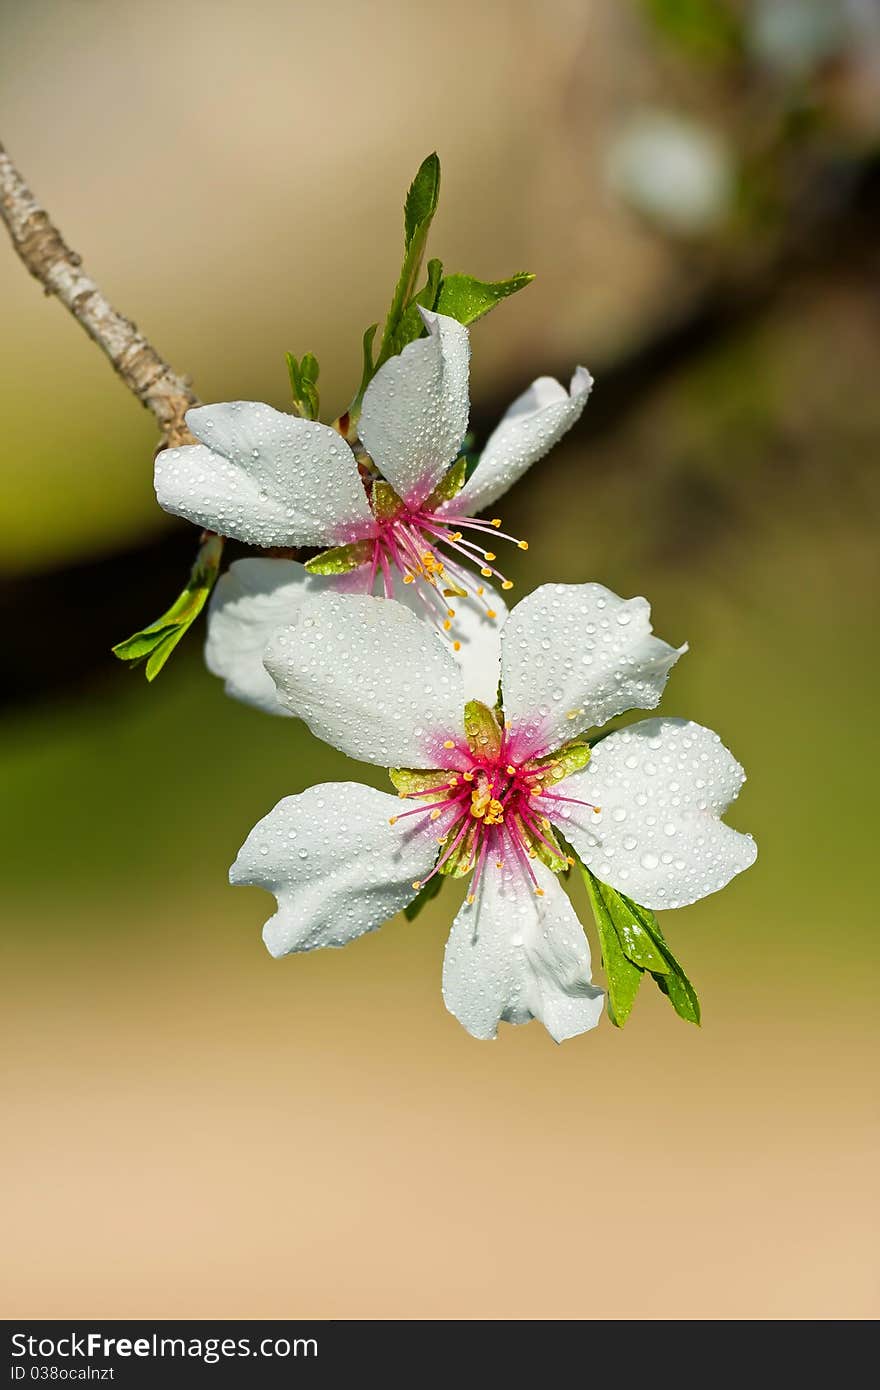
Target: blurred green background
<point>194,1129</point>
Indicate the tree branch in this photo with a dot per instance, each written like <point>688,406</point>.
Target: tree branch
<point>58,269</point>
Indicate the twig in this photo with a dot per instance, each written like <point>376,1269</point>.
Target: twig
<point>51,261</point>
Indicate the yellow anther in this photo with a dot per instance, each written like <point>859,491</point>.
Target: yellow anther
<point>471,898</point>
<point>489,555</point>
<point>468,776</point>
<point>392,820</point>
<point>450,743</point>
<point>416,884</point>
<point>499,863</point>
<point>507,583</point>
<point>456,646</point>
<point>573,713</point>
<point>447,625</point>
<point>535,791</point>
<point>456,536</point>
<point>435,815</point>
<point>450,612</point>
<point>569,861</point>
<point>596,810</point>
<point>408,578</point>
<point>539,892</point>
<point>523,545</point>
<point>453,782</point>
<point>510,770</point>
<point>496,521</point>
<point>490,613</point>
<point>485,572</point>
<point>480,591</point>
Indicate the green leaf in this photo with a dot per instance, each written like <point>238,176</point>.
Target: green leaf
<point>421,204</point>
<point>630,923</point>
<point>641,943</point>
<point>449,486</point>
<point>623,977</point>
<point>341,558</point>
<point>674,983</point>
<point>303,384</point>
<point>421,200</point>
<point>429,890</point>
<point>156,642</point>
<point>466,299</point>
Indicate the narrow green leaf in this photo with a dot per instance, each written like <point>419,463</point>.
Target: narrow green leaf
<point>411,325</point>
<point>421,200</point>
<point>466,299</point>
<point>157,641</point>
<point>623,976</point>
<point>421,204</point>
<point>428,891</point>
<point>303,384</point>
<point>341,558</point>
<point>674,983</point>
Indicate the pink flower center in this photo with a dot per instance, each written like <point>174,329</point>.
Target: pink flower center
<point>491,812</point>
<point>407,545</point>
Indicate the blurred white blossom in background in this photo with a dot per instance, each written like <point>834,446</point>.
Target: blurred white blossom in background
<point>673,170</point>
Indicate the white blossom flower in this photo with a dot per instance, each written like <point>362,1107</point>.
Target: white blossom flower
<point>397,514</point>
<point>489,791</point>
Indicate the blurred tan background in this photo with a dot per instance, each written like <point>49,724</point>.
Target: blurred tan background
<point>195,1130</point>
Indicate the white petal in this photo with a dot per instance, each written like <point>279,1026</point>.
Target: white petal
<point>265,478</point>
<point>534,423</point>
<point>661,786</point>
<point>479,654</point>
<point>336,866</point>
<point>369,678</point>
<point>415,410</point>
<point>251,600</point>
<point>573,656</point>
<point>514,956</point>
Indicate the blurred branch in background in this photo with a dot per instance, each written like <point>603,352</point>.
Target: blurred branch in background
<point>50,260</point>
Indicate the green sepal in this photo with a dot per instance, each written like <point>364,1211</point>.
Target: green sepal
<point>341,558</point>
<point>156,642</point>
<point>482,731</point>
<point>571,757</point>
<point>385,501</point>
<point>303,384</point>
<point>622,976</point>
<point>410,780</point>
<point>464,298</point>
<point>555,858</point>
<point>421,204</point>
<point>449,486</point>
<point>461,861</point>
<point>429,890</point>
